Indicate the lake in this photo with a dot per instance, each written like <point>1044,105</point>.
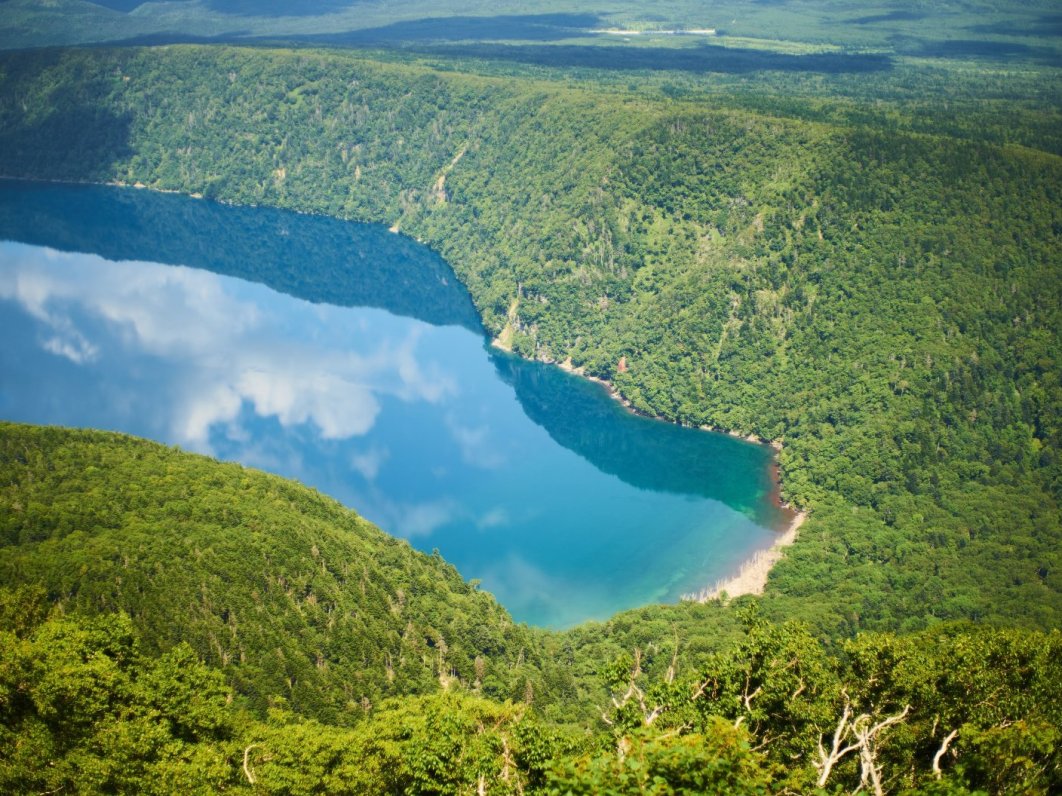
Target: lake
<point>352,360</point>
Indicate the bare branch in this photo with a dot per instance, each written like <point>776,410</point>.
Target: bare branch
<point>943,750</point>
<point>837,750</point>
<point>247,770</point>
<point>674,661</point>
<point>865,733</point>
<point>507,760</point>
<point>763,744</point>
<point>634,692</point>
<point>749,697</point>
<point>700,690</point>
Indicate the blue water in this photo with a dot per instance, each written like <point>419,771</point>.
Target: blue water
<point>136,312</point>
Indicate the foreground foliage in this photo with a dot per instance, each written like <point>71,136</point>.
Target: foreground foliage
<point>84,709</point>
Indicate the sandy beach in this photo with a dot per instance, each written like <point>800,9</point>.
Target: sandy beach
<point>752,577</point>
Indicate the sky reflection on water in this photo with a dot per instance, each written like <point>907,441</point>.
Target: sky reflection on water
<point>535,482</point>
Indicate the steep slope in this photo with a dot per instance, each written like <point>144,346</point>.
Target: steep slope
<point>287,592</point>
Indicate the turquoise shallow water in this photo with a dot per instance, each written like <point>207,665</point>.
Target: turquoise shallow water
<point>352,360</point>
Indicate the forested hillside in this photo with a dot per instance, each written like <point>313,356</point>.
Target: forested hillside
<point>282,589</point>
<point>170,623</point>
<point>885,303</point>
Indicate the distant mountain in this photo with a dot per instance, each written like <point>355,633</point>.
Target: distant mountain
<point>118,5</point>
<point>263,8</point>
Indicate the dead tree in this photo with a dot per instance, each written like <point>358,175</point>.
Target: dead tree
<point>943,751</point>
<point>636,693</point>
<point>857,734</point>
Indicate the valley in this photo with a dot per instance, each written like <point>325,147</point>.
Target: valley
<point>832,227</point>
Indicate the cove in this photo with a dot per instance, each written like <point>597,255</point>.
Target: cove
<point>352,360</point>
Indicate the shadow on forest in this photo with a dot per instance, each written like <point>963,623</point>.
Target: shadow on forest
<point>69,138</point>
<point>250,8</point>
<point>892,16</point>
<point>528,27</point>
<point>160,39</point>
<point>519,27</point>
<point>310,257</point>
<point>279,8</point>
<point>480,37</point>
<point>974,48</point>
<point>1047,26</point>
<point>706,58</point>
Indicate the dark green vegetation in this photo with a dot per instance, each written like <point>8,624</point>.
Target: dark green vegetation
<point>171,623</point>
<point>865,266</point>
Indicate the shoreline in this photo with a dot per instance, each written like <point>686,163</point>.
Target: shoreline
<point>566,365</point>
<point>750,578</point>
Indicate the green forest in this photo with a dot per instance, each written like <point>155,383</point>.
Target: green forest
<point>175,624</point>
<point>862,270</point>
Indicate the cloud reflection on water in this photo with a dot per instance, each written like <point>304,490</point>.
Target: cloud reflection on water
<point>540,485</point>
<point>224,349</point>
